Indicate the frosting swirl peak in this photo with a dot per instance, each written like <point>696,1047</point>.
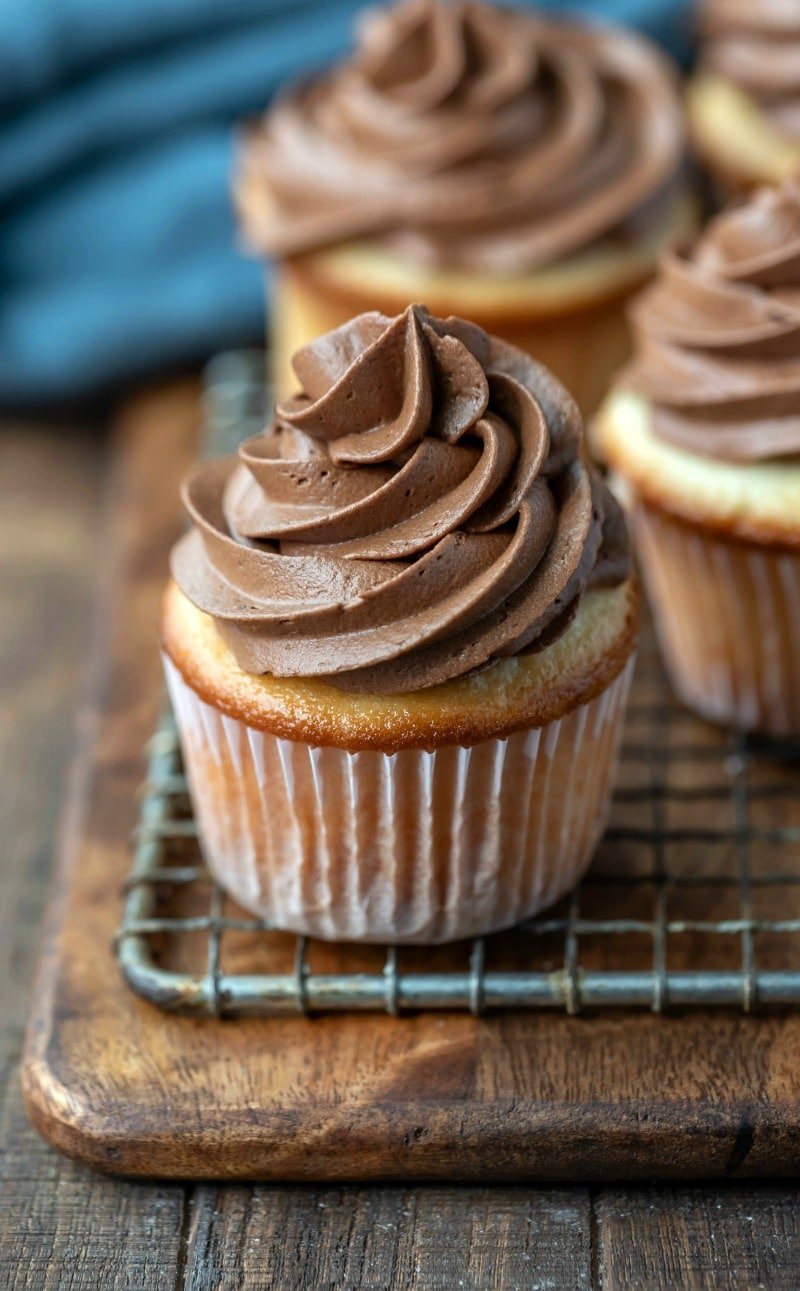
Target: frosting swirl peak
<point>418,510</point>
<point>717,336</point>
<point>468,135</point>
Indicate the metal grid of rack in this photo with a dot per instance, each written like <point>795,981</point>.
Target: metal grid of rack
<point>693,899</point>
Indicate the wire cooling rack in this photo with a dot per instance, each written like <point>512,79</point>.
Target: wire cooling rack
<point>693,898</point>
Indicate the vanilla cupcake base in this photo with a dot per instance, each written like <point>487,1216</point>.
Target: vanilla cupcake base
<point>570,316</point>
<point>413,835</point>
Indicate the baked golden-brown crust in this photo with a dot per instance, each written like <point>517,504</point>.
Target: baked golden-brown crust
<point>513,694</point>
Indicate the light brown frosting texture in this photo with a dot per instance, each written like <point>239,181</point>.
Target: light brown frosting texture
<point>419,510</point>
<point>755,44</point>
<point>467,135</point>
<point>717,336</point>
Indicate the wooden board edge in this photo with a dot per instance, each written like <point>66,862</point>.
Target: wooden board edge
<point>522,1145</point>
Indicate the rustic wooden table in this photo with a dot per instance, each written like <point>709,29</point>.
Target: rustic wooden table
<point>61,1226</point>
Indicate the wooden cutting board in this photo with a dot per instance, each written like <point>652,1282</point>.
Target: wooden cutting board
<point>110,1079</point>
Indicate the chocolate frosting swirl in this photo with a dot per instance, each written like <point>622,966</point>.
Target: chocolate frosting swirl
<point>717,336</point>
<point>469,135</point>
<point>419,510</point>
<point>755,44</point>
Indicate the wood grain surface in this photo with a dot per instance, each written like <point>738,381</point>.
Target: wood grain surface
<point>61,1226</point>
<point>442,1238</point>
<point>721,1238</point>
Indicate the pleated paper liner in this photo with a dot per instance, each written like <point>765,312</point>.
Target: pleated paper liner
<point>415,846</point>
<point>727,615</point>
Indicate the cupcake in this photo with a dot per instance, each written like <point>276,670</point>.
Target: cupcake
<point>703,430</point>
<point>744,100</point>
<point>516,170</point>
<point>398,640</point>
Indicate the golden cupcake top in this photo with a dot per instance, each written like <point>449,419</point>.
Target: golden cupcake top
<point>418,510</point>
<point>717,336</point>
<point>466,134</point>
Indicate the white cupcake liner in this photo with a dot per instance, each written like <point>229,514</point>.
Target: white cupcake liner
<point>727,615</point>
<point>414,846</point>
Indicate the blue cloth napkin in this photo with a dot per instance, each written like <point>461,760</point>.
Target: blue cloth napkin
<point>118,251</point>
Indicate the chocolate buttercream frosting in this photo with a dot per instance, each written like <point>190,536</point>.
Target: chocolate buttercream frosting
<point>468,135</point>
<point>755,44</point>
<point>717,336</point>
<point>420,509</point>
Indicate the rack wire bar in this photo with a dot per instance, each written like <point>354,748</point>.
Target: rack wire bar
<point>693,900</point>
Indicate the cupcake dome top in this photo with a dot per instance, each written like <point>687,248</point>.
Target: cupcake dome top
<point>717,336</point>
<point>468,135</point>
<point>420,509</point>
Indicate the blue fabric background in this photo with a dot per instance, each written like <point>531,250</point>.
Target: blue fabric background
<point>118,250</point>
